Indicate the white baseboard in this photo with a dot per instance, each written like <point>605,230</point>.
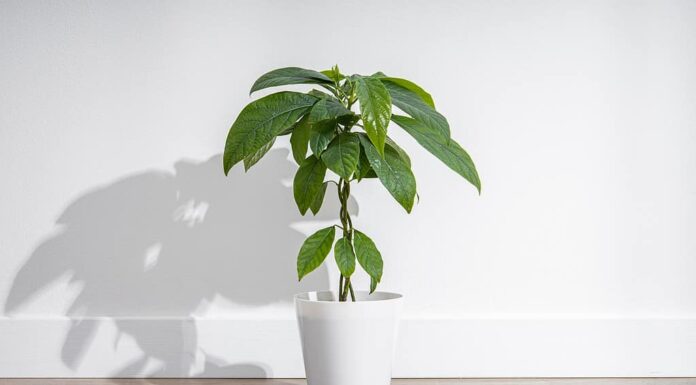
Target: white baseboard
<point>471,347</point>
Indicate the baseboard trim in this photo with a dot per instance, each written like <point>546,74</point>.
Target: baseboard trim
<point>428,347</point>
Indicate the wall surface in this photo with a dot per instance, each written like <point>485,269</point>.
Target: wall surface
<point>124,250</point>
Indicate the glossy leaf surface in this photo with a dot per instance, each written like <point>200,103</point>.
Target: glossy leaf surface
<point>314,250</point>
<point>289,75</point>
<point>326,109</point>
<point>322,134</point>
<point>413,87</point>
<point>412,104</point>
<point>299,140</point>
<point>375,108</point>
<point>262,120</point>
<point>393,172</point>
<point>368,256</point>
<point>342,154</point>
<point>255,157</point>
<point>308,182</point>
<point>447,150</point>
<point>345,256</point>
<point>318,199</point>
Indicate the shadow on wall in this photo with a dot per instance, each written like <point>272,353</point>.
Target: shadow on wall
<point>165,244</point>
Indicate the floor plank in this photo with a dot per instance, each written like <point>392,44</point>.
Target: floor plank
<point>469,381</point>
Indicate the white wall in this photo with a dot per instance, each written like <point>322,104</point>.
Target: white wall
<point>126,252</point>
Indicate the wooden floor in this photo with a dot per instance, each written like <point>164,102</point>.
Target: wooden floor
<point>529,381</point>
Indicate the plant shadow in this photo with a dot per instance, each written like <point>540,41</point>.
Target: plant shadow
<point>165,244</point>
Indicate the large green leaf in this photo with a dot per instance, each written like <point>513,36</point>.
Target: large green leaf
<point>369,257</point>
<point>326,109</point>
<point>393,172</point>
<point>255,157</point>
<point>411,86</point>
<point>318,199</point>
<point>308,182</point>
<point>262,120</point>
<point>300,139</point>
<point>412,104</point>
<point>314,250</point>
<point>342,154</point>
<point>322,134</point>
<point>345,256</point>
<point>289,75</point>
<point>375,108</point>
<point>404,156</point>
<point>447,150</point>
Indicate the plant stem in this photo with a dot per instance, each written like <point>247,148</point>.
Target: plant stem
<point>345,286</point>
<point>347,226</point>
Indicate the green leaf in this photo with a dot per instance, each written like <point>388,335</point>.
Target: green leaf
<point>345,256</point>
<point>255,157</point>
<point>447,150</point>
<point>375,108</point>
<point>318,199</point>
<point>334,74</point>
<point>342,154</point>
<point>289,75</point>
<point>300,139</point>
<point>262,120</point>
<point>363,169</point>
<point>404,156</point>
<point>412,104</point>
<point>411,86</point>
<point>321,95</point>
<point>314,250</point>
<point>368,256</point>
<point>393,172</point>
<point>373,285</point>
<point>328,109</point>
<point>322,134</point>
<point>308,182</point>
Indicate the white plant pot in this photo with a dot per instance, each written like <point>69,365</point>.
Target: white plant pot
<point>348,343</point>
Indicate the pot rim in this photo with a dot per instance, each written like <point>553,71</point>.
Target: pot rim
<point>313,297</point>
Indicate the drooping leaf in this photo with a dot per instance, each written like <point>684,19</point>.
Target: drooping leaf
<point>314,250</point>
<point>375,108</point>
<point>447,150</point>
<point>326,109</point>
<point>393,172</point>
<point>368,256</point>
<point>412,104</point>
<point>411,86</point>
<point>262,120</point>
<point>308,182</point>
<point>318,199</point>
<point>322,134</point>
<point>373,285</point>
<point>342,154</point>
<point>363,169</point>
<point>255,157</point>
<point>289,75</point>
<point>345,256</point>
<point>404,156</point>
<point>300,139</point>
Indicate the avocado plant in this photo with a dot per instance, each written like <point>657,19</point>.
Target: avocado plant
<point>353,145</point>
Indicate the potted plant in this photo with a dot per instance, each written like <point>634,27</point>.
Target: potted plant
<point>348,335</point>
